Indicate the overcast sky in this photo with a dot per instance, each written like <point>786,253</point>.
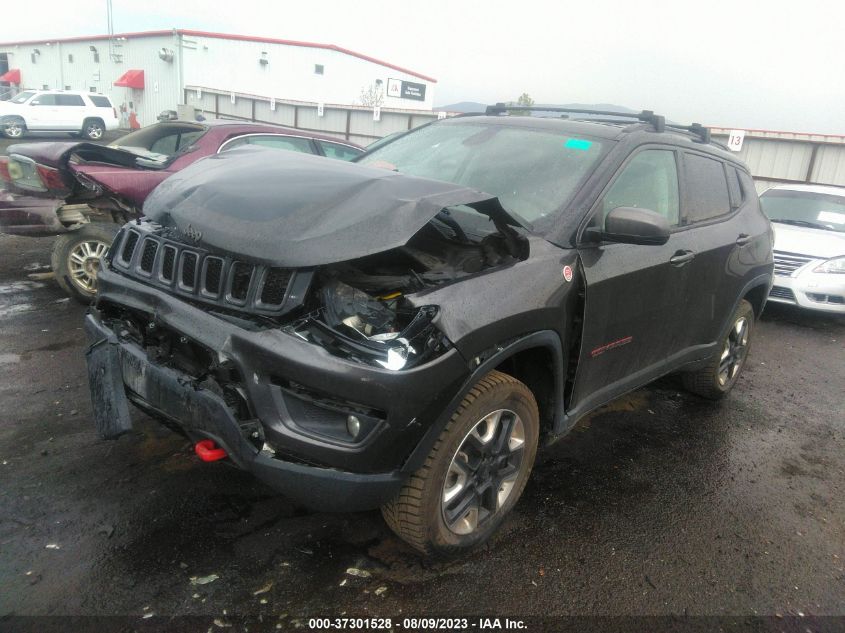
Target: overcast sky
<point>775,65</point>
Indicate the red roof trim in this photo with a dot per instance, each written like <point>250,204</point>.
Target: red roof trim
<point>227,36</point>
<point>752,130</point>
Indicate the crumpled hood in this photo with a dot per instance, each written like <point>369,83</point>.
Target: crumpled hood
<point>808,241</point>
<point>296,210</point>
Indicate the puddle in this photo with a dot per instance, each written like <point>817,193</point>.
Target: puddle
<point>36,267</point>
<point>9,359</point>
<point>19,286</point>
<point>16,309</point>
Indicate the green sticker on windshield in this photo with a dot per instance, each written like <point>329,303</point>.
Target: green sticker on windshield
<point>578,143</point>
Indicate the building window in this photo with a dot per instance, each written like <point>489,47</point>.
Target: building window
<point>67,88</point>
<point>70,58</point>
<point>45,87</point>
<point>92,89</point>
<point>318,69</point>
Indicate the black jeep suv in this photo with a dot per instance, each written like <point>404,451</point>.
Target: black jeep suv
<point>403,332</point>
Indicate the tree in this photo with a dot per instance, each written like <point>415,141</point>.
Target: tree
<point>372,95</point>
<point>524,100</point>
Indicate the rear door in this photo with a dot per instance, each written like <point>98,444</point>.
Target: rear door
<point>635,299</point>
<point>727,235</point>
<point>71,111</point>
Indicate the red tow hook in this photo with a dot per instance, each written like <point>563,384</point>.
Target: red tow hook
<point>208,451</point>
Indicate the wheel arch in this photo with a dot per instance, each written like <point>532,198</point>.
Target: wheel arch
<point>518,358</point>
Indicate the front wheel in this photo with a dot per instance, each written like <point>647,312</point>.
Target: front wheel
<point>720,374</point>
<point>475,473</point>
<point>13,127</point>
<point>76,259</point>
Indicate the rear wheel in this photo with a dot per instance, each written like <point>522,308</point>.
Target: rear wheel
<point>475,473</point>
<point>722,371</point>
<point>76,259</point>
<point>93,129</point>
<point>13,127</point>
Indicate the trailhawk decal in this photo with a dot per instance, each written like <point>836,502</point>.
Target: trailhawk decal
<point>618,343</point>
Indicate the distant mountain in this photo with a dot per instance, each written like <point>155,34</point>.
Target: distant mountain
<point>474,106</point>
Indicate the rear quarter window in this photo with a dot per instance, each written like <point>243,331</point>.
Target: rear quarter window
<point>100,102</point>
<point>706,188</point>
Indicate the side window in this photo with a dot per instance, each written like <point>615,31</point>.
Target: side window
<point>293,143</point>
<point>44,100</point>
<point>233,143</point>
<point>648,181</point>
<point>69,100</point>
<point>100,102</point>
<point>734,189</point>
<point>707,189</point>
<point>336,150</point>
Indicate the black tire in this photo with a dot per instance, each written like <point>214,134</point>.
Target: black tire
<point>66,268</point>
<point>718,377</point>
<point>93,129</point>
<point>13,127</point>
<point>418,513</point>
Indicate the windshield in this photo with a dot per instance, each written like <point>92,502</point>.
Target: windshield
<point>23,96</point>
<point>532,172</point>
<point>805,208</point>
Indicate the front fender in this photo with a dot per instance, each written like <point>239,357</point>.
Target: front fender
<point>546,339</point>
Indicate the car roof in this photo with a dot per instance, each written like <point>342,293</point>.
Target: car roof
<point>270,128</point>
<point>829,190</point>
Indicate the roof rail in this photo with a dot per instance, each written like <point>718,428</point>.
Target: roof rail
<point>646,116</point>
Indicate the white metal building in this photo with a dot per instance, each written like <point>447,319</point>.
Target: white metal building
<point>148,72</point>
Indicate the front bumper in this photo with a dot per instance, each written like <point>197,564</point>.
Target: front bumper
<point>319,471</point>
<point>824,292</point>
<point>30,216</point>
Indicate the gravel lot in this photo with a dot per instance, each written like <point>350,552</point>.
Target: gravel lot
<point>658,504</point>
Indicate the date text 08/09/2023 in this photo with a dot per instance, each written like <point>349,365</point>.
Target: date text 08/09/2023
<point>411,623</point>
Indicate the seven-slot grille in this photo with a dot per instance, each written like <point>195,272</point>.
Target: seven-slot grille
<point>193,272</point>
<point>788,263</point>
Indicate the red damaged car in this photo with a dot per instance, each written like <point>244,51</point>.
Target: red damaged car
<point>84,192</point>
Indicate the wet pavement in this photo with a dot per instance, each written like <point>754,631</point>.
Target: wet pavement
<point>659,504</point>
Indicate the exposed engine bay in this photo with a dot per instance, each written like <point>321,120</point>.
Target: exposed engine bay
<point>359,310</point>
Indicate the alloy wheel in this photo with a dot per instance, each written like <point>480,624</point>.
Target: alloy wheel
<point>483,471</point>
<point>93,131</point>
<point>13,129</point>
<point>733,354</point>
<point>84,264</point>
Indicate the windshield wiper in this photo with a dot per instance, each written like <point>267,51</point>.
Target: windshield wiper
<point>805,223</point>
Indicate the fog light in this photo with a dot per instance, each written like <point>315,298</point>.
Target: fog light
<point>353,426</point>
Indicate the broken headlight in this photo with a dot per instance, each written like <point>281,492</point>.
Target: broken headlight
<point>384,331</point>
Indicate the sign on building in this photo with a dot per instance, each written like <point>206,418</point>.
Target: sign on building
<point>735,140</point>
<point>405,90</point>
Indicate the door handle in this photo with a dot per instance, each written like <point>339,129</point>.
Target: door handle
<point>681,257</point>
<point>743,239</point>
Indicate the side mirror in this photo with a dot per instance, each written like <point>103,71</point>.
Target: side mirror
<point>632,225</point>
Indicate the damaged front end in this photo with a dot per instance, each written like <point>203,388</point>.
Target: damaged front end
<point>297,339</point>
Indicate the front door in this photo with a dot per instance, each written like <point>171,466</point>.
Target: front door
<point>635,294</point>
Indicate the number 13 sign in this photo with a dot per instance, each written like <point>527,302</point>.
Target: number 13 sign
<point>735,140</point>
